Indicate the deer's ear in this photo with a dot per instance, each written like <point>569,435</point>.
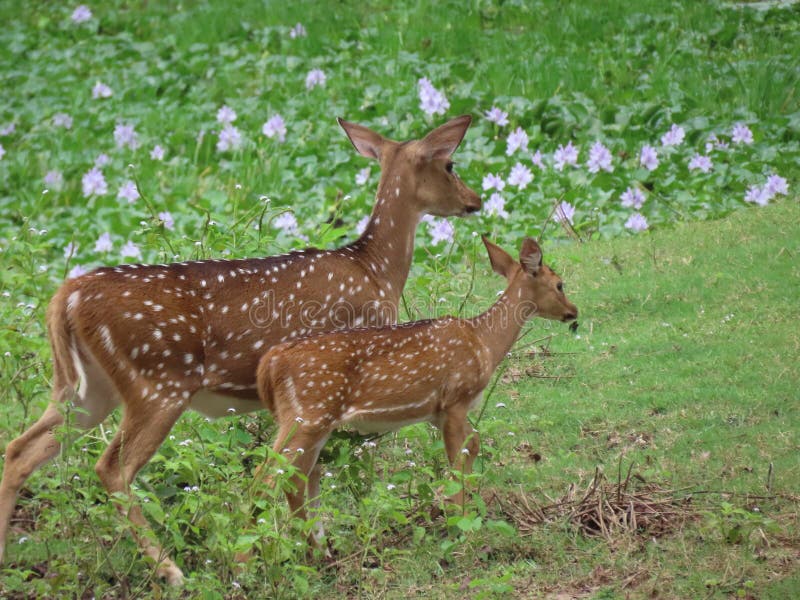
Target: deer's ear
<point>530,256</point>
<point>443,141</point>
<point>502,262</point>
<point>367,142</point>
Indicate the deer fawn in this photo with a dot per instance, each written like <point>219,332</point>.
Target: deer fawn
<point>380,379</point>
<point>160,339</point>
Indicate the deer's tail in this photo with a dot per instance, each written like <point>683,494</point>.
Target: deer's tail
<point>59,330</point>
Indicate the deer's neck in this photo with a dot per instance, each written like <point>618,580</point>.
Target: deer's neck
<point>386,247</point>
<point>499,327</point>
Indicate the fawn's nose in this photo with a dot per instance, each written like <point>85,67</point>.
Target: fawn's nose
<point>473,208</point>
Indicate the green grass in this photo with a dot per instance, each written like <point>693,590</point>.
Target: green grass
<point>684,364</point>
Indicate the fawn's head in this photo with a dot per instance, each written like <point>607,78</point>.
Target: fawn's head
<point>540,284</point>
<point>422,169</point>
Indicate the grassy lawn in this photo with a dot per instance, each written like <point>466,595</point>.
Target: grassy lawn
<point>686,367</point>
<point>683,370</point>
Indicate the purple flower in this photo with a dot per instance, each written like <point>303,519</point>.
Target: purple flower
<point>441,231</point>
<point>636,222</point>
<point>128,192</point>
<point>564,212</point>
<point>497,116</point>
<point>758,195</point>
<point>101,161</point>
<point>157,153</point>
<point>94,183</point>
<point>2,151</point>
<point>130,250</point>
<point>167,220</point>
<point>520,176</point>
<point>492,181</point>
<point>70,249</point>
<point>297,31</point>
<point>674,137</point>
<point>314,78</point>
<point>101,90</point>
<point>287,223</point>
<point>517,140</point>
<point>431,100</point>
<point>599,158</point>
<point>76,271</point>
<point>648,158</point>
<point>741,134</point>
<point>701,163</point>
<point>125,135</point>
<point>777,185</point>
<point>537,159</point>
<point>496,205</point>
<point>565,155</point>
<point>81,14</point>
<point>226,114</point>
<point>54,179</point>
<point>362,176</point>
<point>361,226</point>
<point>632,198</point>
<point>8,129</point>
<point>711,143</point>
<point>229,138</point>
<point>62,120</point>
<point>103,243</point>
<point>275,127</point>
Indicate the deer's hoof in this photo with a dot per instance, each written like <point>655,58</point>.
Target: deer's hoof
<point>169,572</point>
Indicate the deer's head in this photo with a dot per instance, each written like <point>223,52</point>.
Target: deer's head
<point>420,172</point>
<point>539,284</point>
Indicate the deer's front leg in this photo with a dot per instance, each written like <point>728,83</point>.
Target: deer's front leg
<point>462,444</point>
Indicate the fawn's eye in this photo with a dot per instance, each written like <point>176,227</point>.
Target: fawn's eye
<point>560,286</point>
<point>449,167</point>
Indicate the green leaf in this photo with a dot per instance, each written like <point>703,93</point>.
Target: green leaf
<point>245,542</point>
<point>501,527</point>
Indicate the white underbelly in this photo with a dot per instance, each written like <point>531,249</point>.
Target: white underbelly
<point>391,417</point>
<point>215,405</point>
<point>366,426</point>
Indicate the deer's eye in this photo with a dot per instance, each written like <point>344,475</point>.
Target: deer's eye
<point>449,167</point>
<point>560,286</point>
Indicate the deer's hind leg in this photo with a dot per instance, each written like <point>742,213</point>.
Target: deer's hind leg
<point>87,406</point>
<point>301,444</point>
<point>139,436</point>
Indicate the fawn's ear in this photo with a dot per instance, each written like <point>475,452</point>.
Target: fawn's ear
<point>367,142</point>
<point>502,262</point>
<point>443,141</point>
<point>530,255</point>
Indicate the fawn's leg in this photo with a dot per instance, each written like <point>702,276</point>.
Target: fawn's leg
<point>302,445</point>
<point>313,500</point>
<point>462,444</point>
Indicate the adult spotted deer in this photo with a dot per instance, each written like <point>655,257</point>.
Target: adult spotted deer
<point>380,379</point>
<point>161,339</point>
